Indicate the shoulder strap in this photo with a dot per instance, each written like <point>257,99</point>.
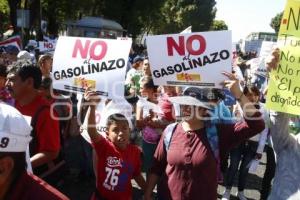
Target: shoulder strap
<point>33,142</point>
<point>168,134</point>
<point>213,139</point>
<point>36,115</point>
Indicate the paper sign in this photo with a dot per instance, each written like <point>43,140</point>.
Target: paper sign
<point>284,85</point>
<point>90,62</point>
<point>47,46</point>
<point>195,59</point>
<point>187,30</point>
<point>266,48</point>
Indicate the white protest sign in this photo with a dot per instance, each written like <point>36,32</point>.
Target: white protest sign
<point>190,59</point>
<point>258,64</point>
<point>97,63</point>
<point>266,48</point>
<point>124,38</point>
<point>187,30</point>
<point>258,70</point>
<point>47,46</point>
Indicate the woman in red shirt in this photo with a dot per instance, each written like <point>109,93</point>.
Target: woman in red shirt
<point>188,168</point>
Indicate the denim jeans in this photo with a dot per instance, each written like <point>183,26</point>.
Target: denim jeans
<point>269,173</point>
<point>244,153</point>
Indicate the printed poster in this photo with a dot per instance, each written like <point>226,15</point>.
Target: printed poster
<point>194,59</point>
<point>91,62</point>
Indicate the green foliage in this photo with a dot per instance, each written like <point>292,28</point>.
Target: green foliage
<point>176,15</point>
<point>3,6</point>
<point>4,16</point>
<point>276,21</point>
<point>136,16</point>
<point>219,25</point>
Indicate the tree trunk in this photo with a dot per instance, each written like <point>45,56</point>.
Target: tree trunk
<point>13,5</point>
<point>35,18</point>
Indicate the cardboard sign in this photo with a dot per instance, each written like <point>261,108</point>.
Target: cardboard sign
<point>89,62</point>
<point>195,59</point>
<point>284,85</point>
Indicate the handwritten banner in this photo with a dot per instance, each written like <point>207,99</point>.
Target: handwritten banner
<point>284,86</point>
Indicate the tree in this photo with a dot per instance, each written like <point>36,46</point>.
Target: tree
<point>13,5</point>
<point>276,21</point>
<point>176,15</point>
<point>135,16</point>
<point>219,25</point>
<point>4,13</point>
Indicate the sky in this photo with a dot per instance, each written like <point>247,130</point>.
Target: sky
<point>246,16</point>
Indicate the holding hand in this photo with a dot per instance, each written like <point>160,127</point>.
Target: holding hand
<point>273,60</point>
<point>91,96</point>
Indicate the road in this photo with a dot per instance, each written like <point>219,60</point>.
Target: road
<point>81,188</point>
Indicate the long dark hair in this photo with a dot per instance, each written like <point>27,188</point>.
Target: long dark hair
<point>115,118</point>
<point>254,90</point>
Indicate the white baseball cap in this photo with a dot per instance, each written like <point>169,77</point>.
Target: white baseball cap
<point>14,130</point>
<point>24,55</point>
<point>192,96</point>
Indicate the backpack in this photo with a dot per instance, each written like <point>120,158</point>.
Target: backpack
<point>53,171</point>
<point>212,136</point>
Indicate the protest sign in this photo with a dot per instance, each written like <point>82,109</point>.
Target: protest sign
<point>187,30</point>
<point>258,70</point>
<point>47,46</point>
<point>97,63</point>
<point>284,85</point>
<point>13,41</point>
<point>266,48</point>
<point>190,59</point>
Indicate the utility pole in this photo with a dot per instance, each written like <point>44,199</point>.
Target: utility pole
<point>40,32</point>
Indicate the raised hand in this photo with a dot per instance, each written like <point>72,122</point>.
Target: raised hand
<point>233,84</point>
<point>91,96</point>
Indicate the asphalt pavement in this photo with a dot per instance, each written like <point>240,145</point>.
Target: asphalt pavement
<point>80,187</point>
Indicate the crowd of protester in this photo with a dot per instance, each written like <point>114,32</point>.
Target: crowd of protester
<point>181,137</point>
